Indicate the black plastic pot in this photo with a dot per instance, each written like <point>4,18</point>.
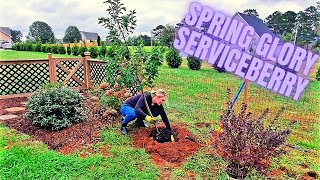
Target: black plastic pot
<point>163,136</point>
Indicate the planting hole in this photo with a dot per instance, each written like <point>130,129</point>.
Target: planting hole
<point>163,136</point>
<point>313,174</point>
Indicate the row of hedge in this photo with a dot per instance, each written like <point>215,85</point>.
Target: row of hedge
<point>60,49</point>
<point>173,57</point>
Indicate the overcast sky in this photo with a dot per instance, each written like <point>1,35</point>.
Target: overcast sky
<point>59,14</point>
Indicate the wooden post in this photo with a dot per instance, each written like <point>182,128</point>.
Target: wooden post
<point>52,69</point>
<point>86,67</point>
<point>246,89</point>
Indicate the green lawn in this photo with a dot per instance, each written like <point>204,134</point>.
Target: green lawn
<point>194,97</point>
<point>23,55</point>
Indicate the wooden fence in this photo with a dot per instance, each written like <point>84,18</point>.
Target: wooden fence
<point>21,77</point>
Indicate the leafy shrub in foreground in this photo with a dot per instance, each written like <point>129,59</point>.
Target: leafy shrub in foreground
<point>55,107</point>
<point>246,143</point>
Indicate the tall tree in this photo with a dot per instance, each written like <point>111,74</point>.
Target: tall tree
<point>41,30</point>
<point>275,22</point>
<point>288,22</point>
<point>72,34</point>
<point>157,31</point>
<point>16,35</point>
<point>164,34</point>
<point>251,12</point>
<point>145,39</point>
<point>120,25</point>
<point>308,22</point>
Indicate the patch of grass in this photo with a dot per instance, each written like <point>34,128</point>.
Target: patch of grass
<point>23,55</point>
<point>112,137</point>
<point>125,162</point>
<point>204,165</point>
<point>25,160</point>
<point>10,136</point>
<point>28,163</point>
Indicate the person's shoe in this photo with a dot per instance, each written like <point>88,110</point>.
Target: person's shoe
<point>144,125</point>
<point>124,130</point>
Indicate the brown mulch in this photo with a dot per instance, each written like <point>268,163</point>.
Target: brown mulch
<point>174,153</point>
<point>76,137</point>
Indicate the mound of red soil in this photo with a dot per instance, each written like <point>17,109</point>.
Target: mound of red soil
<point>76,137</point>
<point>174,153</point>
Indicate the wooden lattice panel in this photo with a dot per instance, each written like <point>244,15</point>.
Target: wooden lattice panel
<point>22,78</point>
<point>97,73</point>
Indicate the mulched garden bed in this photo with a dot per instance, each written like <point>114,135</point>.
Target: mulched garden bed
<point>174,153</point>
<point>66,141</point>
<point>78,137</point>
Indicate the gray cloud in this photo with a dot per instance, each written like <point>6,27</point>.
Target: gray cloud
<point>59,14</point>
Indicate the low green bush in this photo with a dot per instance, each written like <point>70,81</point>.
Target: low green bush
<point>61,49</point>
<point>54,49</point>
<point>93,52</point>
<point>82,50</point>
<point>103,50</point>
<point>44,48</point>
<point>194,63</point>
<point>55,107</point>
<point>75,50</point>
<point>68,49</point>
<point>173,58</point>
<point>28,47</point>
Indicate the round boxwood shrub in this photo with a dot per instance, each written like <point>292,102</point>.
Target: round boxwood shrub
<point>75,50</point>
<point>14,46</point>
<point>44,48</point>
<point>194,63</point>
<point>38,47</point>
<point>55,108</point>
<point>103,50</point>
<point>28,47</point>
<point>54,49</point>
<point>49,49</point>
<point>93,52</point>
<point>111,51</point>
<point>68,49</point>
<point>82,50</point>
<point>173,58</point>
<point>61,49</point>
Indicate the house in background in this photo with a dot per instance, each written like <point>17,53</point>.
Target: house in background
<point>58,41</point>
<point>5,34</point>
<point>260,28</point>
<point>89,36</point>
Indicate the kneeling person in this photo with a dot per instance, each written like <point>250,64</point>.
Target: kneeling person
<point>135,108</point>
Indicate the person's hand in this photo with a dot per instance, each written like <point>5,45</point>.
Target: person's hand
<point>150,119</point>
<point>172,138</point>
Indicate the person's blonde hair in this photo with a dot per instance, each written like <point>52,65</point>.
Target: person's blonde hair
<point>158,92</point>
